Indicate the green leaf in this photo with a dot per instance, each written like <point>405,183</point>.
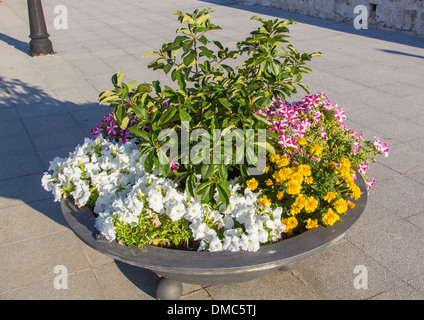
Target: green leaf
<point>224,193</point>
<point>140,112</point>
<point>119,112</point>
<point>149,161</point>
<point>262,119</point>
<point>124,123</point>
<point>225,103</point>
<point>117,78</point>
<point>222,170</point>
<point>202,19</point>
<point>203,185</point>
<point>188,19</point>
<point>167,115</point>
<point>184,116</point>
<point>288,86</point>
<point>258,19</point>
<point>207,170</point>
<point>124,92</point>
<point>207,194</point>
<point>140,133</point>
<point>164,166</point>
<point>151,53</point>
<point>268,146</point>
<point>156,85</point>
<point>304,87</point>
<point>189,59</point>
<point>190,182</point>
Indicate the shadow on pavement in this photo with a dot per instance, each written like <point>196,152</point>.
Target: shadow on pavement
<point>18,44</point>
<point>402,53</point>
<point>143,279</point>
<point>34,128</point>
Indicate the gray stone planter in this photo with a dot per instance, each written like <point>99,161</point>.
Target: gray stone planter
<point>211,268</point>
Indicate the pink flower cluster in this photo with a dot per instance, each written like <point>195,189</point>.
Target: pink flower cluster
<point>293,120</point>
<point>381,146</point>
<point>110,130</point>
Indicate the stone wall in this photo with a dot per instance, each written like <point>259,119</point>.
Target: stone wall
<point>399,15</point>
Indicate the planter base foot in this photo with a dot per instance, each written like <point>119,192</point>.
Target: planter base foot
<point>168,289</point>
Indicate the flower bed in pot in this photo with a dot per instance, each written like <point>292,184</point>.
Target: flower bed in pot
<point>222,164</point>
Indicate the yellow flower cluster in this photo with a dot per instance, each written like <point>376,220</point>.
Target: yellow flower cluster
<point>282,175</point>
<point>302,142</point>
<point>290,223</point>
<point>311,223</point>
<point>252,184</point>
<point>345,171</point>
<point>298,204</point>
<point>264,201</point>
<point>330,217</point>
<point>340,205</point>
<point>298,175</point>
<point>280,160</point>
<point>292,177</point>
<point>330,196</point>
<point>302,202</point>
<point>315,150</point>
<point>311,204</point>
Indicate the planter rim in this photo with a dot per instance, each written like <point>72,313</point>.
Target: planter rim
<point>164,260</point>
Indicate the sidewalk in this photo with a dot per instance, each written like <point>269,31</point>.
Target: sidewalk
<point>49,104</point>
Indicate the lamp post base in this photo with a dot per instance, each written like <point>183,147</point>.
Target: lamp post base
<point>40,47</point>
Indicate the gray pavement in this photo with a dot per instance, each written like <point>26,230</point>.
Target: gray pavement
<point>49,104</point>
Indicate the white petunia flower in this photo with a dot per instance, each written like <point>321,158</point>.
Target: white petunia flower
<point>231,240</point>
<point>194,210</point>
<point>47,182</point>
<point>155,200</point>
<point>105,227</point>
<point>177,211</point>
<point>173,195</point>
<point>198,228</point>
<point>57,192</point>
<point>258,231</point>
<point>250,242</point>
<point>81,194</point>
<point>228,221</point>
<point>215,244</point>
<point>55,165</point>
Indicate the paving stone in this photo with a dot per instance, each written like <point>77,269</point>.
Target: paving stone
<point>10,128</point>
<point>331,274</point>
<point>22,189</point>
<point>80,285</point>
<point>69,136</point>
<point>122,281</point>
<point>396,244</point>
<point>277,285</point>
<point>30,220</point>
<point>405,292</point>
<point>18,144</point>
<point>19,165</point>
<point>29,261</point>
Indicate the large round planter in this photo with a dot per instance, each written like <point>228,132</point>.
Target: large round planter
<point>211,268</point>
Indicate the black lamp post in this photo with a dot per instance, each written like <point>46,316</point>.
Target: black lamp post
<point>40,44</point>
